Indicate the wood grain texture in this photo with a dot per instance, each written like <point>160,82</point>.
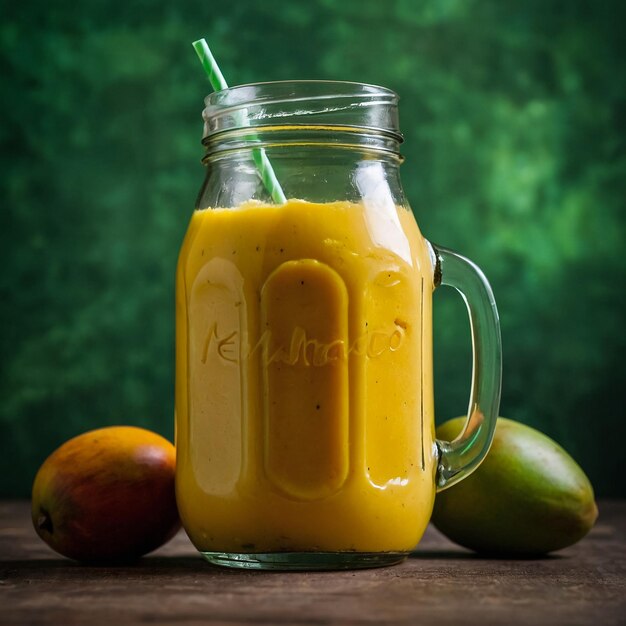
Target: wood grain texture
<point>440,584</point>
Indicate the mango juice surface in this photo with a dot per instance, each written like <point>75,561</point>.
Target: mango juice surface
<point>304,409</point>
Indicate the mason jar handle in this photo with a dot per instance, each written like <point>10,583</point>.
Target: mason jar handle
<point>460,457</point>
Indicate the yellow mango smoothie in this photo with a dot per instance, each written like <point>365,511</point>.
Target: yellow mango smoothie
<point>304,408</point>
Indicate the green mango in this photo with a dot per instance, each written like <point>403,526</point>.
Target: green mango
<point>528,497</point>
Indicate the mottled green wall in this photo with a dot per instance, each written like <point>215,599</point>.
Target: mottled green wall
<point>514,116</point>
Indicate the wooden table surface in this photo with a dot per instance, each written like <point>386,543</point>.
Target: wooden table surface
<point>439,584</point>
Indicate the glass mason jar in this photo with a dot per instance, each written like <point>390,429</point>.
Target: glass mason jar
<point>304,383</point>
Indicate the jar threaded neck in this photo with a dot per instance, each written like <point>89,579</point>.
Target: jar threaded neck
<point>330,113</point>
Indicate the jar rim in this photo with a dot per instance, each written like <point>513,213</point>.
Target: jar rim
<point>237,91</point>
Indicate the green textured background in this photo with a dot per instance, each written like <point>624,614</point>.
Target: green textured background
<point>515,123</point>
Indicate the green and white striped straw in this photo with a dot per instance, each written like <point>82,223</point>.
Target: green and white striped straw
<point>218,82</point>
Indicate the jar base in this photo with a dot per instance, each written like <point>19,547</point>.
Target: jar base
<point>302,561</point>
